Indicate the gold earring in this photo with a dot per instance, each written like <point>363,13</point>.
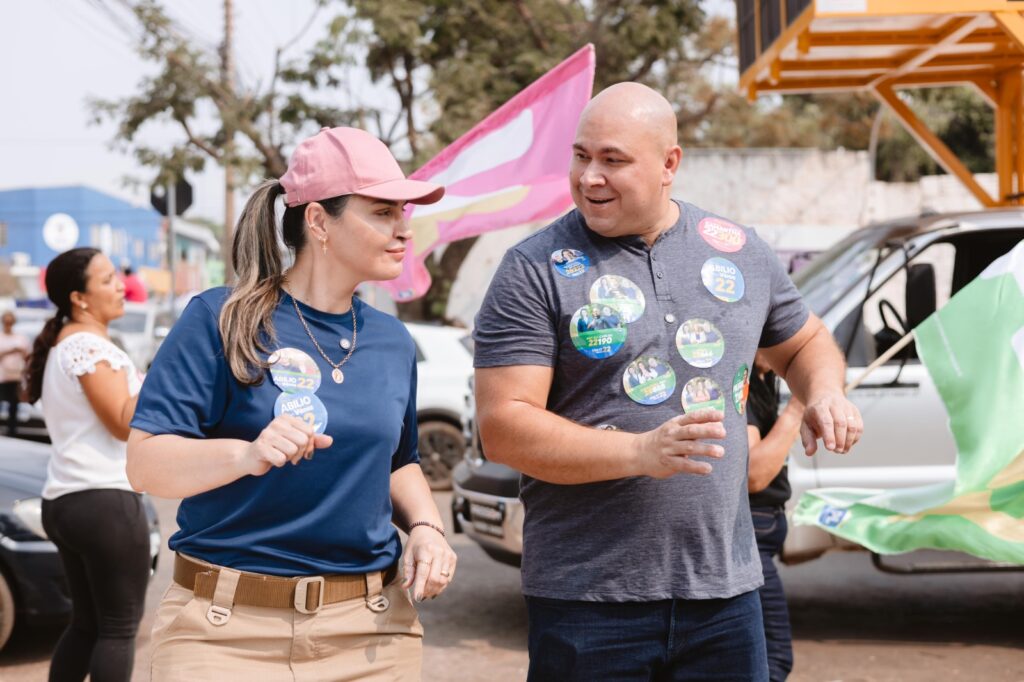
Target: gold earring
<point>83,306</point>
<point>323,245</point>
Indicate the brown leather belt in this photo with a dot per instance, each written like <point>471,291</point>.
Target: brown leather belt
<point>256,589</point>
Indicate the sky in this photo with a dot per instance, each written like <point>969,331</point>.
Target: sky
<point>55,54</point>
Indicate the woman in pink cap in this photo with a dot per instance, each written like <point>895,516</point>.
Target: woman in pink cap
<point>283,412</point>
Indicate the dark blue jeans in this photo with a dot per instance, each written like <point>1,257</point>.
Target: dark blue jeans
<point>770,529</point>
<point>679,639</point>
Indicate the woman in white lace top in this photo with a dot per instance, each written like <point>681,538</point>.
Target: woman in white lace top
<point>89,388</point>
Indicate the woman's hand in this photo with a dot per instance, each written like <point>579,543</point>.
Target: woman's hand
<point>286,439</point>
<point>429,563</point>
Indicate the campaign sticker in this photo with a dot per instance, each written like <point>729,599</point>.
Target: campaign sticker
<point>570,262</point>
<point>700,343</point>
<point>741,389</point>
<point>304,406</point>
<point>722,235</point>
<point>723,279</point>
<point>621,293</point>
<point>702,393</point>
<point>649,380</point>
<point>293,371</point>
<point>597,331</point>
<point>831,517</point>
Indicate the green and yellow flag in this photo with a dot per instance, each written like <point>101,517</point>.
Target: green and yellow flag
<point>974,350</point>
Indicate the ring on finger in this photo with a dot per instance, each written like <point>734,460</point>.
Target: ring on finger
<point>446,574</point>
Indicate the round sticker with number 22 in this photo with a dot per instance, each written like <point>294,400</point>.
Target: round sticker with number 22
<point>723,279</point>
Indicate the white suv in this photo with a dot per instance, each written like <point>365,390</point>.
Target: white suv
<point>871,288</point>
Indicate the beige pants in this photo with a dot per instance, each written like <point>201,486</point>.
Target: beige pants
<point>343,641</point>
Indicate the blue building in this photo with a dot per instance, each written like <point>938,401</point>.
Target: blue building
<point>37,224</point>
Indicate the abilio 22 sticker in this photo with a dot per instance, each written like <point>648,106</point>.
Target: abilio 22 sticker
<point>648,380</point>
<point>700,343</point>
<point>293,371</point>
<point>741,389</point>
<point>304,406</point>
<point>570,262</point>
<point>620,292</point>
<point>723,279</point>
<point>722,235</point>
<point>702,393</point>
<point>597,331</point>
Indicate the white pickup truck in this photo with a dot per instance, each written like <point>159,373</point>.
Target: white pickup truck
<point>869,289</point>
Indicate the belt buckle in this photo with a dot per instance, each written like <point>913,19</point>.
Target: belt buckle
<point>302,588</point>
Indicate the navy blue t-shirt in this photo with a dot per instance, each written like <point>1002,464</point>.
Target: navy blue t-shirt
<point>330,514</point>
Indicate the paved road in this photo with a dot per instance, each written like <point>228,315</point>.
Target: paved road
<point>852,624</point>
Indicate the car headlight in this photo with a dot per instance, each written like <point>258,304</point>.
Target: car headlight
<point>24,523</point>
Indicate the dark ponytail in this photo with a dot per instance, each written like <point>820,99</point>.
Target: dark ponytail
<point>64,274</point>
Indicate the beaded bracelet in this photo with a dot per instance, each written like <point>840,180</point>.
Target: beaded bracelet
<point>428,524</point>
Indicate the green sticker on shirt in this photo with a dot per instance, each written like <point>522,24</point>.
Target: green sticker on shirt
<point>702,393</point>
<point>741,389</point>
<point>597,331</point>
<point>649,380</point>
<point>620,292</point>
<point>700,343</point>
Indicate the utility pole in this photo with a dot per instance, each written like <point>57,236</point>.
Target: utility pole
<point>172,246</point>
<point>227,76</point>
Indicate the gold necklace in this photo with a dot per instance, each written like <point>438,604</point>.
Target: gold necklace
<point>336,373</point>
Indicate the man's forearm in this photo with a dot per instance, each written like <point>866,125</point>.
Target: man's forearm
<point>817,368</point>
<point>551,448</point>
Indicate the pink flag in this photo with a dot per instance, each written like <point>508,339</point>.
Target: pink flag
<point>512,168</point>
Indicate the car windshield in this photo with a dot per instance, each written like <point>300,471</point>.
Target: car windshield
<point>130,323</point>
<point>829,276</point>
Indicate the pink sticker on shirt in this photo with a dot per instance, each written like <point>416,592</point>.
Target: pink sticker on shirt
<point>722,235</point>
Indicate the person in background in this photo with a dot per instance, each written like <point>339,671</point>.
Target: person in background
<point>14,349</point>
<point>770,436</point>
<point>134,288</point>
<point>88,388</point>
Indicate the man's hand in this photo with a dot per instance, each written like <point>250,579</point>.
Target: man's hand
<point>833,419</point>
<point>668,449</point>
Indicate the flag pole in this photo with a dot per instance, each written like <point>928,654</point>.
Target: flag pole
<point>881,360</point>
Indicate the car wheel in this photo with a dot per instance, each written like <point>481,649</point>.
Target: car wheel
<point>442,446</point>
<point>6,611</point>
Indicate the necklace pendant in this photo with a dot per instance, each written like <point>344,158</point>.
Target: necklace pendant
<point>338,376</point>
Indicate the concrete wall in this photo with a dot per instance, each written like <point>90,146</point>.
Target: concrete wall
<point>797,199</point>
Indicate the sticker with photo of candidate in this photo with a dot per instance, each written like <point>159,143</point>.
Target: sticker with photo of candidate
<point>597,331</point>
<point>702,393</point>
<point>304,406</point>
<point>620,292</point>
<point>722,235</point>
<point>293,371</point>
<point>723,279</point>
<point>700,343</point>
<point>570,262</point>
<point>649,380</point>
<point>741,389</point>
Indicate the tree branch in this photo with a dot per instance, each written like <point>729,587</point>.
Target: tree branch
<point>527,17</point>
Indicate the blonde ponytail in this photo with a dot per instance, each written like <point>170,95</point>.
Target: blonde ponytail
<point>246,320</point>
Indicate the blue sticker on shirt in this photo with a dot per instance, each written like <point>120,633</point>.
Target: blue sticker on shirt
<point>293,371</point>
<point>304,406</point>
<point>723,279</point>
<point>570,262</point>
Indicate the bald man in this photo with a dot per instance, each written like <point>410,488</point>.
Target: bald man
<point>639,559</point>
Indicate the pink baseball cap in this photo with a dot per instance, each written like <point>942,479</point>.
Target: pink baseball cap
<point>339,161</point>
